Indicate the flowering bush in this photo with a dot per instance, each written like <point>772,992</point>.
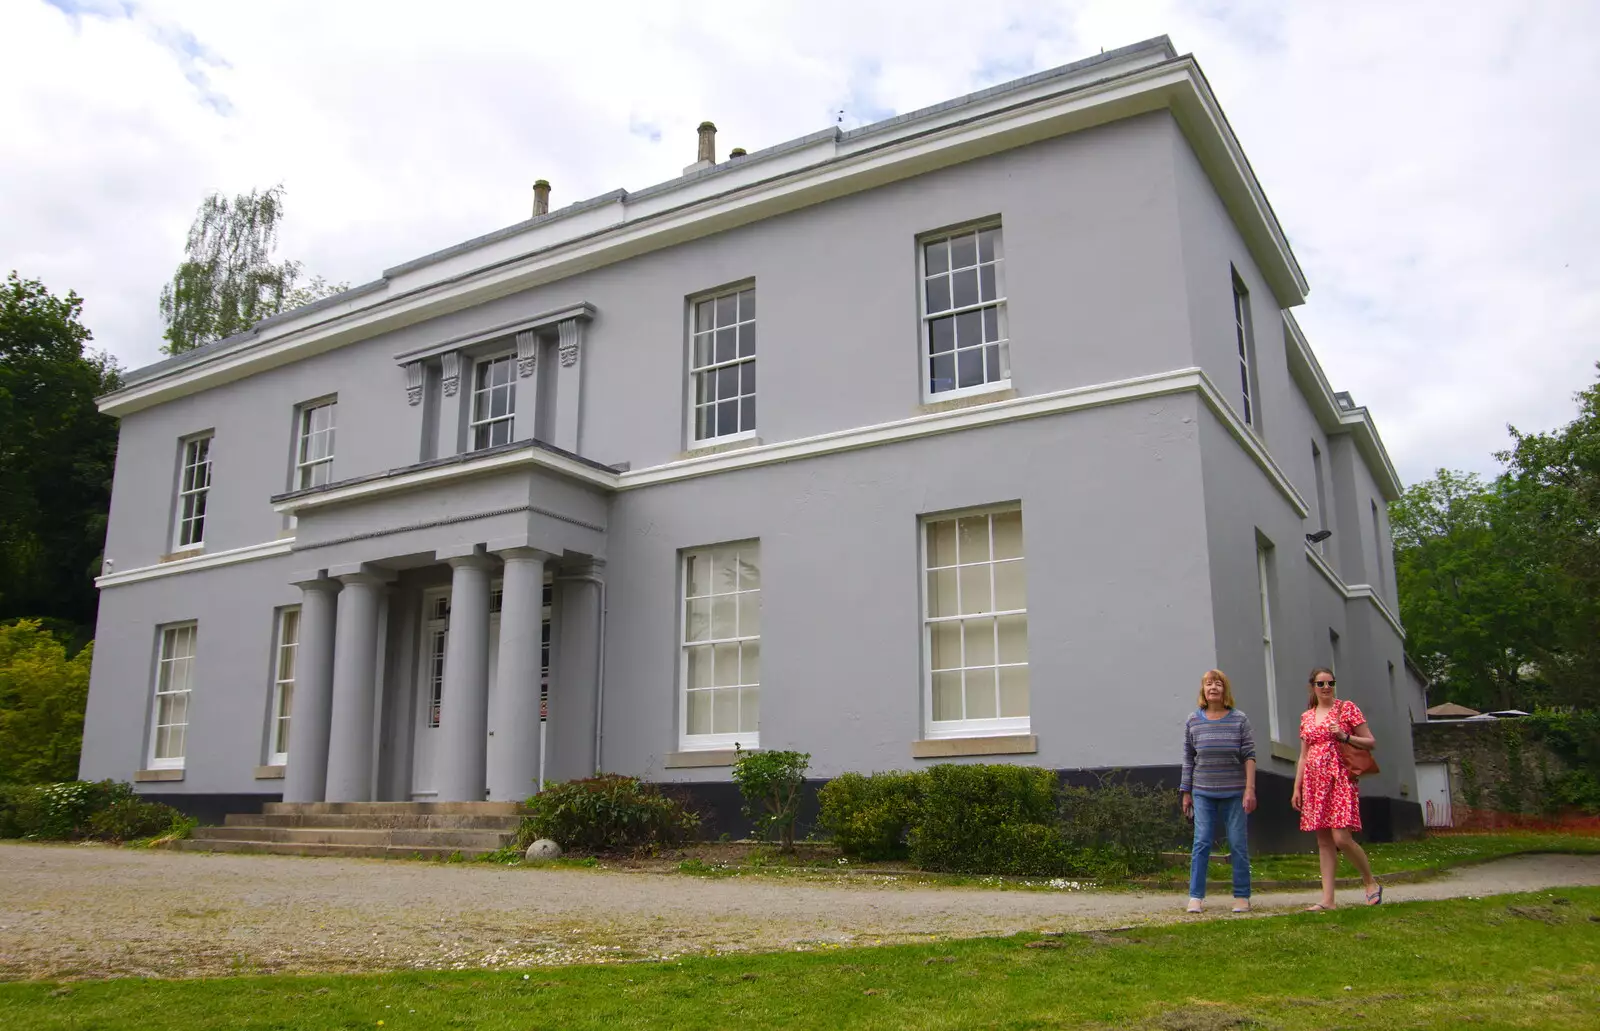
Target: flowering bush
<point>106,810</point>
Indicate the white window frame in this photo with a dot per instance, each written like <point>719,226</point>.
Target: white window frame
<point>1245,336</point>
<point>1002,341</point>
<point>285,664</point>
<point>194,493</point>
<point>741,643</point>
<point>982,726</point>
<point>1380,578</point>
<point>310,461</point>
<point>435,644</point>
<point>742,365</point>
<point>476,419</point>
<point>1264,581</point>
<point>174,678</point>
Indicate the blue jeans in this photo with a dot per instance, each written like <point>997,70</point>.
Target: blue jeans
<point>1207,812</point>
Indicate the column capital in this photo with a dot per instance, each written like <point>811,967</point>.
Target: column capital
<point>314,580</point>
<point>362,573</point>
<point>524,555</point>
<point>465,556</point>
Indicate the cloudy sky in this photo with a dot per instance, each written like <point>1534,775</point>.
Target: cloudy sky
<point>1432,162</point>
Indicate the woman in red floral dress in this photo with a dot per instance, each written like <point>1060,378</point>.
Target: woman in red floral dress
<point>1324,792</point>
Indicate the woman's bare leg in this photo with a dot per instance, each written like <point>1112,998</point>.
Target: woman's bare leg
<point>1328,856</point>
<point>1358,857</point>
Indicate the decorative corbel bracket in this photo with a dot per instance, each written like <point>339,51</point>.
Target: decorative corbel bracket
<point>527,353</point>
<point>571,336</point>
<point>413,383</point>
<point>452,372</point>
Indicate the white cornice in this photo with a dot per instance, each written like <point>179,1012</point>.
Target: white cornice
<point>831,167</point>
<point>1313,382</point>
<point>250,553</point>
<point>1352,591</point>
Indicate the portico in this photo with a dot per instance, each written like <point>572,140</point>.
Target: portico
<point>431,645</point>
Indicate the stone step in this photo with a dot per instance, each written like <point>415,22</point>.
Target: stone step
<point>298,848</point>
<point>377,821</point>
<point>396,808</point>
<point>479,840</point>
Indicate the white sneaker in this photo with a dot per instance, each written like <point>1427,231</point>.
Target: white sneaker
<point>1195,905</point>
<point>1241,905</point>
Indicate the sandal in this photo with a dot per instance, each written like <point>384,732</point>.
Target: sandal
<point>1375,898</point>
<point>1317,907</point>
<point>1241,905</point>
<point>1194,906</point>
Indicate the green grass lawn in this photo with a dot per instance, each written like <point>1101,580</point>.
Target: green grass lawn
<point>1527,961</point>
<point>1434,853</point>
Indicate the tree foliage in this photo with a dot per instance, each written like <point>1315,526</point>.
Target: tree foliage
<point>42,695</point>
<point>56,456</point>
<point>228,280</point>
<point>1500,580</point>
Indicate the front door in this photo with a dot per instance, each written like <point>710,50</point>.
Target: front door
<point>430,680</point>
<point>1433,787</point>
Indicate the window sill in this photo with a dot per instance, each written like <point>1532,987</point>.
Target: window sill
<point>709,757</point>
<point>987,397</point>
<point>720,448</point>
<point>193,551</point>
<point>148,776</point>
<point>1283,751</point>
<point>269,772</point>
<point>1004,744</point>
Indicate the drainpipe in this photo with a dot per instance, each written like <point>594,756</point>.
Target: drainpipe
<point>600,665</point>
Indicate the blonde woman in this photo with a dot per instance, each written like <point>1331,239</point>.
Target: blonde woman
<point>1325,794</point>
<point>1219,784</point>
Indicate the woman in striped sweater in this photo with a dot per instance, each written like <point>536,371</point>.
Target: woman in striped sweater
<point>1219,783</point>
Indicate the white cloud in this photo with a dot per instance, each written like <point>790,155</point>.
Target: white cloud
<point>1430,162</point>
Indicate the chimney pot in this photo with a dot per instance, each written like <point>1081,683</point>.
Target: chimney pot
<point>737,152</point>
<point>541,198</point>
<point>708,143</point>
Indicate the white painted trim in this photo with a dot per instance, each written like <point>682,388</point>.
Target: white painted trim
<point>250,553</point>
<point>1352,591</point>
<point>700,206</point>
<point>1250,442</point>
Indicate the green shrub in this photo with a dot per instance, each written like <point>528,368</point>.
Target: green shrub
<point>127,818</point>
<point>1119,825</point>
<point>992,818</point>
<point>107,810</point>
<point>607,813</point>
<point>770,783</point>
<point>42,695</point>
<point>870,817</point>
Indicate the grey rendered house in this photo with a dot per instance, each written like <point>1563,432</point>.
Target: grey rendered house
<point>979,432</point>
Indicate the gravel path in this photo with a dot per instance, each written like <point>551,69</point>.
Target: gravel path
<point>86,911</point>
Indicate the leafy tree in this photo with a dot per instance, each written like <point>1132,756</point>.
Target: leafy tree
<point>1553,480</point>
<point>56,456</point>
<point>228,282</point>
<point>42,695</point>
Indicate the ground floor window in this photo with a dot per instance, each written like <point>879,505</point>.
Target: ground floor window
<point>975,624</point>
<point>283,673</point>
<point>720,660</point>
<point>174,684</point>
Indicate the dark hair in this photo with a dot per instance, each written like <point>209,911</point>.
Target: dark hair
<point>1311,688</point>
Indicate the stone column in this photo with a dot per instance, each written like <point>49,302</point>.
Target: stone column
<point>355,671</point>
<point>575,674</point>
<point>514,751</point>
<point>464,707</point>
<point>306,779</point>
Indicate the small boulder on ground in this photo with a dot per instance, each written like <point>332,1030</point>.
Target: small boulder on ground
<point>544,848</point>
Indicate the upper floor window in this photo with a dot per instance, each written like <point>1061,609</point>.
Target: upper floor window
<point>722,365</point>
<point>963,312</point>
<point>283,685</point>
<point>975,624</point>
<point>721,649</point>
<point>313,459</point>
<point>194,484</point>
<point>1264,582</point>
<point>174,681</point>
<point>1241,330</point>
<point>494,401</point>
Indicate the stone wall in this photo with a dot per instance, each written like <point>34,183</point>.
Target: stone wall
<point>1495,765</point>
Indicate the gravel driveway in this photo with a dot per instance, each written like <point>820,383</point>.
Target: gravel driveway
<point>88,911</point>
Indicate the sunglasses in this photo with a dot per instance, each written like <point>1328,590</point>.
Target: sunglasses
<point>1324,683</point>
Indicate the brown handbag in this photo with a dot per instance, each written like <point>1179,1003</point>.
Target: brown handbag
<point>1358,762</point>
